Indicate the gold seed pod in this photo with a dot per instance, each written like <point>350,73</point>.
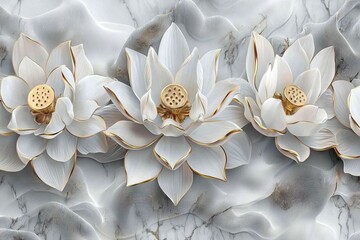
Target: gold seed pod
<point>41,99</point>
<point>174,96</point>
<point>294,98</point>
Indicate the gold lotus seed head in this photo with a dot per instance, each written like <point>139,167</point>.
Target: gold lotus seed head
<point>41,99</point>
<point>294,98</point>
<point>174,96</point>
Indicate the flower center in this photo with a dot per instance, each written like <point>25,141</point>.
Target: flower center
<point>41,100</point>
<point>292,99</point>
<point>174,103</point>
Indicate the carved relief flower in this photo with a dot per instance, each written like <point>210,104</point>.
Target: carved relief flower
<point>50,104</point>
<point>287,97</point>
<point>178,118</point>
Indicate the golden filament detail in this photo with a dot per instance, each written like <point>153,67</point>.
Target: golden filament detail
<point>292,99</point>
<point>41,100</point>
<point>174,103</point>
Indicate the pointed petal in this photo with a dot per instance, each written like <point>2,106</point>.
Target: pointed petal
<point>82,65</point>
<point>10,161</point>
<point>114,152</point>
<point>55,80</point>
<point>176,183</point>
<point>198,108</point>
<point>352,166</point>
<point>148,107</point>
<point>342,91</point>
<point>26,46</point>
<point>307,43</point>
<point>173,49</point>
<point>325,62</point>
<point>187,75</point>
<point>93,144</point>
<point>53,173</point>
<point>65,109</point>
<point>259,56</point>
<point>131,135</point>
<point>55,126</point>
<point>83,110</point>
<point>92,88</point>
<point>213,133</point>
<point>302,129</point>
<point>32,73</point>
<point>136,69</point>
<point>348,144</point>
<point>125,100</point>
<point>310,82</point>
<point>110,114</point>
<point>297,59</point>
<point>238,150</point>
<point>63,147</point>
<point>68,78</point>
<point>282,73</point>
<point>267,86</point>
<point>291,147</point>
<point>307,113</point>
<point>60,55</point>
<point>321,140</point>
<point>172,151</point>
<point>29,147</point>
<point>208,162</point>
<point>326,102</point>
<point>141,166</point>
<point>210,63</point>
<point>157,75</point>
<point>232,113</point>
<point>22,122</point>
<point>88,128</point>
<point>273,115</point>
<point>11,85</point>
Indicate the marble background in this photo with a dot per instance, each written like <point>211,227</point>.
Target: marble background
<point>271,197</point>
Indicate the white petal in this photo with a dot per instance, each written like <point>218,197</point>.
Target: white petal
<point>352,166</point>
<point>210,63</point>
<point>348,144</point>
<point>14,91</point>
<point>131,135</point>
<point>9,160</point>
<point>63,147</point>
<point>168,128</point>
<point>53,173</point>
<point>321,140</point>
<point>173,49</point>
<point>232,113</point>
<point>141,166</point>
<point>26,46</point>
<point>82,65</point>
<point>92,88</point>
<point>68,77</point>
<point>176,183</point>
<point>307,113</point>
<point>273,115</point>
<point>209,162</point>
<point>55,126</point>
<point>157,75</point>
<point>32,73</point>
<point>291,147</point>
<point>259,56</point>
<point>354,126</point>
<point>342,91</point>
<point>148,107</point>
<point>29,147</point>
<point>110,114</point>
<point>93,144</point>
<point>22,121</point>
<point>65,109</point>
<point>136,69</point>
<point>307,43</point>
<point>55,80</point>
<point>220,97</point>
<point>267,87</point>
<point>325,62</point>
<point>172,151</point>
<point>326,102</point>
<point>310,82</point>
<point>87,128</point>
<point>282,73</point>
<point>297,59</point>
<point>213,133</point>
<point>308,128</point>
<point>114,152</point>
<point>238,150</point>
<point>198,108</point>
<point>354,103</point>
<point>83,110</point>
<point>244,91</point>
<point>125,100</point>
<point>60,55</point>
<point>187,75</point>
<point>5,118</point>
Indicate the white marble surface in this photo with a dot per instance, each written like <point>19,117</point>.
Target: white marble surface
<point>270,198</point>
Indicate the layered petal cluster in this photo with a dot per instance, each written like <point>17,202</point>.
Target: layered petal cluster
<point>49,110</point>
<point>178,117</point>
<point>347,112</point>
<point>288,96</point>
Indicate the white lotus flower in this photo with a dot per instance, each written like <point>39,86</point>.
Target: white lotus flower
<point>178,117</point>
<point>51,103</point>
<point>287,97</point>
<point>347,112</point>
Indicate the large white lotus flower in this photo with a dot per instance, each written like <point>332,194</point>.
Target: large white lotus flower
<point>178,118</point>
<point>51,103</point>
<point>287,97</point>
<point>347,112</point>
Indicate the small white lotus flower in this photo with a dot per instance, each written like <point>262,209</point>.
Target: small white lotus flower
<point>50,105</point>
<point>177,117</point>
<point>347,112</point>
<point>287,97</point>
